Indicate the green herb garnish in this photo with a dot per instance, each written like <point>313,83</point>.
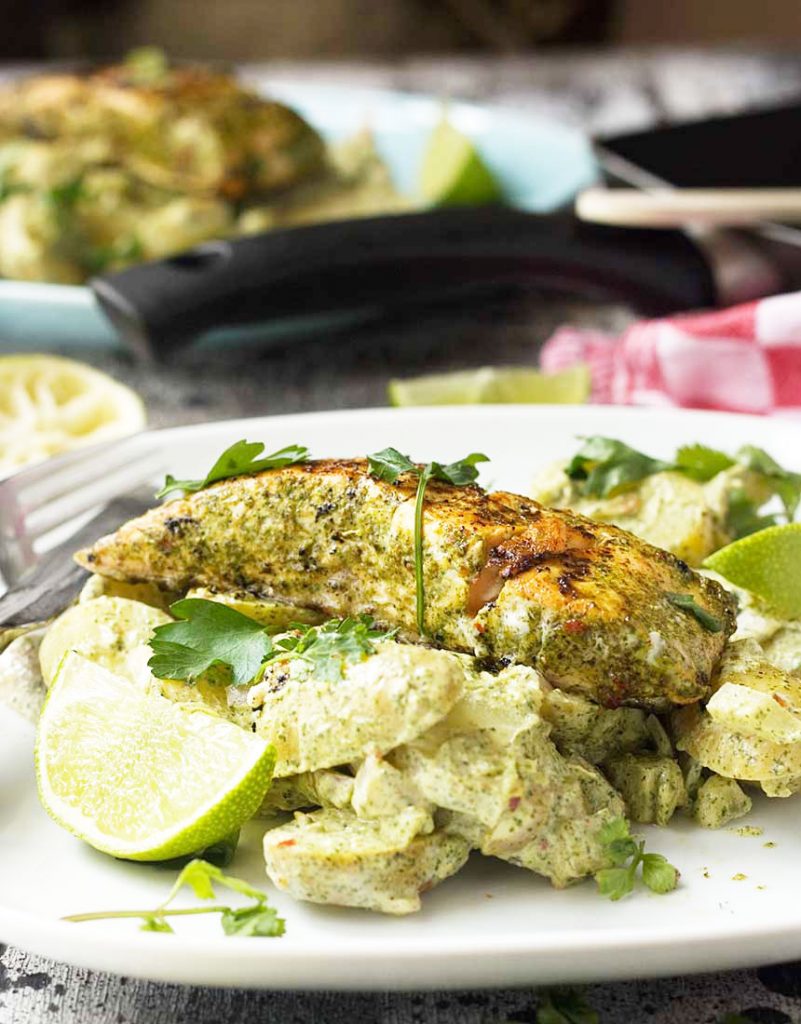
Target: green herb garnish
<point>627,855</point>
<point>238,460</point>
<point>565,1006</point>
<point>211,634</point>
<point>9,187</point>
<point>65,196</point>
<point>124,250</point>
<point>389,464</point>
<point>688,604</point>
<point>603,466</point>
<point>329,647</point>
<point>702,463</point>
<point>259,918</point>
<point>786,485</point>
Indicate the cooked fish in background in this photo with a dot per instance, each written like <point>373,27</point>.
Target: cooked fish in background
<point>186,129</point>
<point>506,579</point>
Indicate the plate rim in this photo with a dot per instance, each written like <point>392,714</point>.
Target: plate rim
<point>235,962</point>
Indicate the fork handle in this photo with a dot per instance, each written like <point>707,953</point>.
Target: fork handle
<point>381,262</point>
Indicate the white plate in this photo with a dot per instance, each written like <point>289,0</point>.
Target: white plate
<point>492,924</point>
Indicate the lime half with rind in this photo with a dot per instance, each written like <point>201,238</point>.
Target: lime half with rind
<point>768,564</point>
<point>494,384</point>
<point>137,776</point>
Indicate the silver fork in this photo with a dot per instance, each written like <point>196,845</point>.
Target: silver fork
<point>40,504</point>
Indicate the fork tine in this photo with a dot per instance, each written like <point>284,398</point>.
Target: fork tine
<point>90,493</point>
<point>47,481</point>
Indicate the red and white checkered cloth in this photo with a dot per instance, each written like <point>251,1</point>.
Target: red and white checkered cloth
<point>743,359</point>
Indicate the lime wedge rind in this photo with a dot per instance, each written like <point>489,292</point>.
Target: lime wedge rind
<point>493,385</point>
<point>453,172</point>
<point>138,777</point>
<point>767,564</point>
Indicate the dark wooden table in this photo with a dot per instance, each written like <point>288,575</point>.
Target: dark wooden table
<point>350,369</point>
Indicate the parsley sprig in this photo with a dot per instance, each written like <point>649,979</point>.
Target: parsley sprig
<point>241,459</point>
<point>389,464</point>
<point>604,467</point>
<point>255,919</point>
<point>329,647</point>
<point>209,633</point>
<point>627,856</point>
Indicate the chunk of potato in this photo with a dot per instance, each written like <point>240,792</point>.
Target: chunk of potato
<point>735,755</point>
<point>111,631</point>
<point>324,788</point>
<point>580,727</point>
<point>510,793</point>
<point>719,801</point>
<point>387,699</point>
<point>383,864</point>
<point>652,786</point>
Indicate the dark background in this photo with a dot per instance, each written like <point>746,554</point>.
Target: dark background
<point>265,29</point>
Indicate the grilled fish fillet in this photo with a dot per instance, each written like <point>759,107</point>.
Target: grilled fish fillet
<point>506,579</point>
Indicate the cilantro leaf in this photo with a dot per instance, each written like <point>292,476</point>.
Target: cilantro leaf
<point>658,874</point>
<point>257,920</point>
<point>458,473</point>
<point>565,1006</point>
<point>238,460</point>
<point>786,484</point>
<point>615,883</point>
<point>209,633</point>
<point>688,604</point>
<point>200,876</point>
<point>388,464</point>
<point>627,856</point>
<point>604,466</point>
<point>743,517</point>
<point>329,647</point>
<point>154,923</point>
<point>64,197</point>
<point>702,463</point>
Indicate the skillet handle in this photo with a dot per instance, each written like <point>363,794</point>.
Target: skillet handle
<point>387,261</point>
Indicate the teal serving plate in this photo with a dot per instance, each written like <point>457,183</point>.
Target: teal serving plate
<point>539,162</point>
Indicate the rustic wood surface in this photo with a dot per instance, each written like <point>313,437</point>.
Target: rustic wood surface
<point>603,93</point>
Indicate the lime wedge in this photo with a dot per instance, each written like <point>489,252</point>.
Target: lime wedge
<point>767,563</point>
<point>454,172</point>
<point>501,384</point>
<point>137,776</point>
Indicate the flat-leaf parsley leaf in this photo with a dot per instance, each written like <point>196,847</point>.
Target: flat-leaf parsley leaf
<point>238,460</point>
<point>209,633</point>
<point>626,855</point>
